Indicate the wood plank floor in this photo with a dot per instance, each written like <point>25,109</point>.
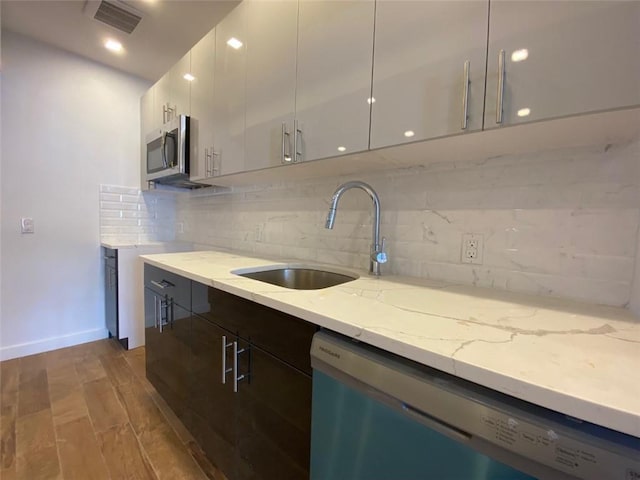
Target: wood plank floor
<point>87,412</point>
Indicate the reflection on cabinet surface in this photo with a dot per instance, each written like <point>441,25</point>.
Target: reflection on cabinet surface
<point>273,419</point>
<point>168,350</point>
<point>270,83</point>
<point>212,403</point>
<point>334,60</point>
<point>229,91</point>
<point>422,84</point>
<point>203,161</point>
<point>561,58</point>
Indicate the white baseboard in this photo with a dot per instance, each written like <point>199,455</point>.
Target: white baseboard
<point>52,343</point>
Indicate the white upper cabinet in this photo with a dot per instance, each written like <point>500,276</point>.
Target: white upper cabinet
<point>335,53</point>
<point>270,85</point>
<point>172,93</point>
<point>203,162</point>
<point>428,69</point>
<point>179,87</point>
<point>561,58</point>
<point>148,122</point>
<point>229,91</point>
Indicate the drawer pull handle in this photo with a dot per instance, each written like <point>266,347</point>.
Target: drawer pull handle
<point>162,285</point>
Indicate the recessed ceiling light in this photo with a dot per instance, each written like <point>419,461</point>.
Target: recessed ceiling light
<point>520,55</point>
<point>341,149</point>
<point>189,77</point>
<point>524,112</point>
<point>409,133</point>
<point>113,45</point>
<point>371,100</point>
<point>233,42</point>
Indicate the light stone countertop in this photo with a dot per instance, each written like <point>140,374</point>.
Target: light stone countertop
<point>575,358</point>
<point>117,245</point>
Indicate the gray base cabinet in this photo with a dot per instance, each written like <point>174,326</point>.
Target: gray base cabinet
<point>236,373</point>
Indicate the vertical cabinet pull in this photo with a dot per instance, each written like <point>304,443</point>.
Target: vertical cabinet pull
<point>286,144</point>
<point>234,369</point>
<point>215,166</point>
<point>465,95</point>
<point>237,378</point>
<point>500,96</point>
<point>155,311</point>
<point>163,305</point>
<point>207,169</point>
<point>297,141</point>
<point>225,370</point>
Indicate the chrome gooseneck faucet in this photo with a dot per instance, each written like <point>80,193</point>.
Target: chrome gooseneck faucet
<point>378,255</point>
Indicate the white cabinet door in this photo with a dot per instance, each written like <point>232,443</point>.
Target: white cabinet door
<point>271,76</point>
<point>180,87</point>
<point>148,122</point>
<point>335,54</point>
<point>562,58</point>
<point>229,90</point>
<point>419,78</point>
<point>202,164</point>
<point>161,99</point>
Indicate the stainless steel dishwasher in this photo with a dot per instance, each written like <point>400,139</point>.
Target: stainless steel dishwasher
<point>379,416</point>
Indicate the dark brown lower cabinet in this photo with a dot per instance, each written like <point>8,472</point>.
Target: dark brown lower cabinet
<point>259,430</point>
<point>168,350</point>
<point>273,429</point>
<point>212,403</point>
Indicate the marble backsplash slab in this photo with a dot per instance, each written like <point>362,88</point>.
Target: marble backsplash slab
<point>562,223</point>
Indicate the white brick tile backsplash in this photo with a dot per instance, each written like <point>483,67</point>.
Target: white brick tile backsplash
<point>128,215</point>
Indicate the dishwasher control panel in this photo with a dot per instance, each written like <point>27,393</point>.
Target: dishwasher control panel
<point>556,447</point>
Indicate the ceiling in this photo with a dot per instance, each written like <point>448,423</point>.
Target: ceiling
<point>168,29</point>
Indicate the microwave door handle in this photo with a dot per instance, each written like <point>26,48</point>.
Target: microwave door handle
<point>163,146</point>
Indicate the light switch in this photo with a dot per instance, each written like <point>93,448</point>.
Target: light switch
<point>26,225</point>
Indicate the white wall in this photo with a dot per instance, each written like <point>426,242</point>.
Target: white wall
<point>69,125</point>
<point>560,223</point>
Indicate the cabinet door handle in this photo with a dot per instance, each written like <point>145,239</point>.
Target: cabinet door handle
<point>215,167</point>
<point>206,161</point>
<point>225,370</point>
<point>500,96</point>
<point>465,95</point>
<point>166,305</point>
<point>297,141</point>
<point>286,144</point>
<point>237,378</point>
<point>155,311</point>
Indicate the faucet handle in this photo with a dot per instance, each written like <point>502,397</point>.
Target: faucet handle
<point>380,255</point>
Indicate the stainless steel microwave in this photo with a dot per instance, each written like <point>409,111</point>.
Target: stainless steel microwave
<point>167,159</point>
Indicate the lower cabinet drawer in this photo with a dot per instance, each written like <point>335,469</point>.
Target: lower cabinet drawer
<point>167,283</point>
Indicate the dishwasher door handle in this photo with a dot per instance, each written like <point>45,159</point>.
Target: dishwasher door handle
<point>436,424</point>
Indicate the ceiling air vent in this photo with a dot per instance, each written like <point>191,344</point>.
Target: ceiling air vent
<point>114,13</point>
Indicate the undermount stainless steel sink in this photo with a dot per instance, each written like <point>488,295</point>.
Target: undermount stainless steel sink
<point>299,278</point>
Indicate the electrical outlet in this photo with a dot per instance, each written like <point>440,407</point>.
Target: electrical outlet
<point>472,246</point>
